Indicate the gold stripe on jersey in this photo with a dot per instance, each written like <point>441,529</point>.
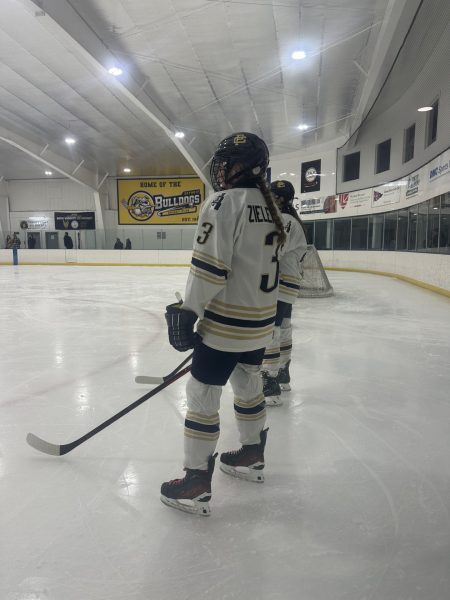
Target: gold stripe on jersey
<point>208,278</point>
<point>233,333</point>
<point>210,259</point>
<point>289,291</point>
<point>263,309</point>
<point>249,313</point>
<point>290,278</point>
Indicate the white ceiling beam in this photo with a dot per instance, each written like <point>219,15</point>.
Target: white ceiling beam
<point>51,159</point>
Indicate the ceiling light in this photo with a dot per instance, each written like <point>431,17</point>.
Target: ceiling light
<point>435,207</point>
<point>116,71</point>
<point>70,141</point>
<point>48,172</point>
<point>302,127</point>
<point>298,55</point>
<point>179,134</point>
<point>292,174</point>
<point>127,170</point>
<point>425,108</point>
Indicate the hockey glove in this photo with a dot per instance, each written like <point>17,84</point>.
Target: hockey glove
<point>180,324</point>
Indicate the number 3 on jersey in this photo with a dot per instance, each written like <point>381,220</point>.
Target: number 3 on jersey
<point>269,241</point>
<point>207,228</point>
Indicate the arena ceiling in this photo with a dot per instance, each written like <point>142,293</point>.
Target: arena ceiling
<point>205,68</point>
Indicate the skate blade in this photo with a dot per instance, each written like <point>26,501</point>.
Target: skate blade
<point>252,475</point>
<point>192,507</point>
<point>273,401</point>
<point>285,387</point>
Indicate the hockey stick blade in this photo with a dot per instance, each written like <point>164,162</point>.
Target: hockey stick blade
<point>59,450</point>
<point>38,444</point>
<point>148,380</point>
<point>158,380</point>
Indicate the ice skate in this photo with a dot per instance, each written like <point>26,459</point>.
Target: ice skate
<point>246,463</point>
<point>192,493</point>
<point>271,390</point>
<point>284,378</point>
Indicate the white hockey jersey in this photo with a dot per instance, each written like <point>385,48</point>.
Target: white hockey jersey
<point>233,281</point>
<point>293,252</point>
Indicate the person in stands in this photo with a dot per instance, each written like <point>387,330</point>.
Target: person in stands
<point>68,242</point>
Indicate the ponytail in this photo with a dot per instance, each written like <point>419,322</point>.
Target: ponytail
<point>270,203</point>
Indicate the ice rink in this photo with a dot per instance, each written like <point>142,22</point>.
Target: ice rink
<point>357,495</point>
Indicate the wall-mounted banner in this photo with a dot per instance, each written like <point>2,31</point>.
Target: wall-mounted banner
<point>323,204</point>
<point>74,220</point>
<point>159,201</point>
<point>413,185</point>
<point>439,167</point>
<point>355,199</point>
<point>388,193</point>
<point>34,223</point>
<point>310,176</point>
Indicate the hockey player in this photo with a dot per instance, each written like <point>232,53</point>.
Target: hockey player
<point>232,288</point>
<point>278,353</point>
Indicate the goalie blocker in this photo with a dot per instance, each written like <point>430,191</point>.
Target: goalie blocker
<point>180,325</point>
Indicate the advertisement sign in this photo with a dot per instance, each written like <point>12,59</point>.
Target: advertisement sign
<point>386,194</point>
<point>310,181</point>
<point>322,204</point>
<point>159,200</point>
<point>355,199</point>
<point>34,223</point>
<point>74,220</point>
<point>412,186</point>
<point>439,167</point>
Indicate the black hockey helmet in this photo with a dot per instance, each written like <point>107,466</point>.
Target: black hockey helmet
<point>285,190</point>
<point>240,159</point>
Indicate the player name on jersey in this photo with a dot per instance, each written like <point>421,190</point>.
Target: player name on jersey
<point>259,214</point>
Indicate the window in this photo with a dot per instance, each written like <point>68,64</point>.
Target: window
<point>323,237</point>
<point>408,143</point>
<point>432,122</point>
<point>422,215</point>
<point>390,230</point>
<point>351,166</point>
<point>444,232</point>
<point>402,229</point>
<point>308,226</point>
<point>376,232</point>
<point>359,233</point>
<point>433,222</point>
<point>383,159</point>
<point>412,226</point>
<point>341,238</point>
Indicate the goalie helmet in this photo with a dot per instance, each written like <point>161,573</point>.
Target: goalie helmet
<point>284,192</point>
<point>240,160</point>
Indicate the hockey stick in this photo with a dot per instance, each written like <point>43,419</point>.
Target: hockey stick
<point>150,380</point>
<point>58,450</point>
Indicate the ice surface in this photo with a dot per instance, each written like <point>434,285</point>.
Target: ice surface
<point>357,494</point>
